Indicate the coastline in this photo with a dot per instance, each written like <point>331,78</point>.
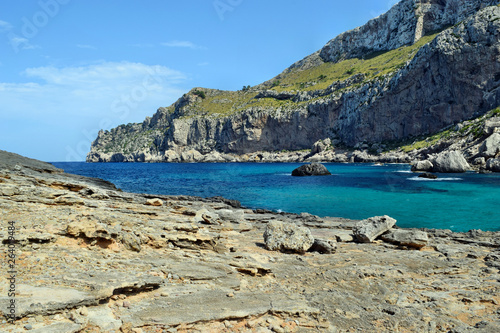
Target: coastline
<point>93,257</point>
<point>356,191</point>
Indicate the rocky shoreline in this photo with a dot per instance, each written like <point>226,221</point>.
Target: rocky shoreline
<point>473,145</point>
<point>91,258</point>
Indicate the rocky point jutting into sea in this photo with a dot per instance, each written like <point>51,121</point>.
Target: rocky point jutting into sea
<point>92,258</point>
<point>424,67</point>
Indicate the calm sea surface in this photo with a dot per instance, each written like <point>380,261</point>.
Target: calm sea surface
<point>455,201</point>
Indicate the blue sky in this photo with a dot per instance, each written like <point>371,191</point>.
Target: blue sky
<point>69,68</point>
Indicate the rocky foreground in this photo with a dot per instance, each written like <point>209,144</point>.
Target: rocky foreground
<point>91,258</point>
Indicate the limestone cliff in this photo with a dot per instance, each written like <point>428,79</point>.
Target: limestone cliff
<point>420,67</point>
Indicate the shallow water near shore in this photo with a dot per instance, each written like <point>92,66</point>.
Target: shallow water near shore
<point>459,202</point>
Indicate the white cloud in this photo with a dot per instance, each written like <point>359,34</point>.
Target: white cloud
<point>5,26</point>
<point>117,74</point>
<point>72,104</point>
<point>85,46</point>
<point>21,43</point>
<point>181,43</point>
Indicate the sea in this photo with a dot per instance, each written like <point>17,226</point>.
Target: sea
<point>460,202</point>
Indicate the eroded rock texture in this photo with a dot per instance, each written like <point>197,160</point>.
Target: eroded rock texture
<point>102,260</point>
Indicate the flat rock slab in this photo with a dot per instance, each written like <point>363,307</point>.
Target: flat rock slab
<point>58,328</point>
<point>44,300</point>
<point>215,305</point>
<point>411,238</point>
<point>198,271</point>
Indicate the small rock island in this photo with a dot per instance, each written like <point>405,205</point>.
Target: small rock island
<point>313,169</point>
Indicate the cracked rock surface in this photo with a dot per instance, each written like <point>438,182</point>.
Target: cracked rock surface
<point>102,260</point>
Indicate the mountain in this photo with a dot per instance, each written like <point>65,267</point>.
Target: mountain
<point>421,67</point>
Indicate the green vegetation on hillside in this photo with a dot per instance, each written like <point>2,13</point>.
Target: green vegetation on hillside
<point>473,128</point>
<point>373,66</point>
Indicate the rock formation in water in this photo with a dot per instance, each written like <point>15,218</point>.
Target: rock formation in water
<point>422,66</point>
<point>313,169</point>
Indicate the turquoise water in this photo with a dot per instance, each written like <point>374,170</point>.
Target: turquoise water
<point>455,201</point>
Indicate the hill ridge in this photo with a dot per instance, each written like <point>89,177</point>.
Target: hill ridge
<point>414,89</point>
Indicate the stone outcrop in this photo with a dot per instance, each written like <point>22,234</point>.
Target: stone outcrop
<point>323,246</point>
<point>410,238</point>
<point>368,230</point>
<point>493,164</point>
<point>490,146</point>
<point>452,78</point>
<point>313,169</point>
<point>450,161</point>
<point>113,263</point>
<point>422,166</point>
<point>403,24</point>
<point>287,237</point>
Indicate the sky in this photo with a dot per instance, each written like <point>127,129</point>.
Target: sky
<point>69,68</point>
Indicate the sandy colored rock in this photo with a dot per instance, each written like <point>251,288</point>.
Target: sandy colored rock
<point>286,236</point>
<point>154,202</point>
<point>77,269</point>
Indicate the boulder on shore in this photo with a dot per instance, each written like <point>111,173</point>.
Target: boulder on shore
<point>313,169</point>
<point>422,166</point>
<point>287,237</point>
<point>411,238</point>
<point>450,162</point>
<point>490,146</point>
<point>493,164</point>
<point>368,230</point>
<point>323,246</point>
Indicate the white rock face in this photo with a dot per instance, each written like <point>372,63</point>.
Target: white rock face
<point>450,161</point>
<point>422,166</point>
<point>403,24</point>
<point>491,146</point>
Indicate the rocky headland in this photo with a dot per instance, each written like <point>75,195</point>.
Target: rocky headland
<point>423,67</point>
<point>92,258</point>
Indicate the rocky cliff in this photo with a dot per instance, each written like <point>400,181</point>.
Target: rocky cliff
<point>422,66</point>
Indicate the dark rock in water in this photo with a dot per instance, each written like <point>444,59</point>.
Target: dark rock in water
<point>313,169</point>
<point>428,175</point>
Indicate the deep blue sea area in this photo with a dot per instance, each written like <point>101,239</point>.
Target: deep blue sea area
<point>459,202</point>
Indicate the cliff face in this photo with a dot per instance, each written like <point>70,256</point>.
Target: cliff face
<point>404,24</point>
<point>393,78</point>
